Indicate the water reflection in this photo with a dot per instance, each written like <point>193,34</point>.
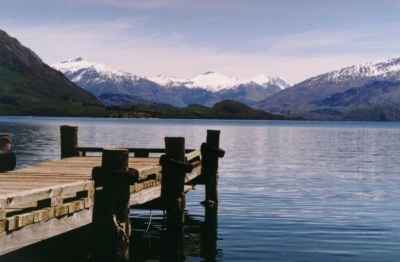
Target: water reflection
<point>209,235</point>
<point>196,241</point>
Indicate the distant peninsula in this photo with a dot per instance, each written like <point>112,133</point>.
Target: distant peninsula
<point>227,109</point>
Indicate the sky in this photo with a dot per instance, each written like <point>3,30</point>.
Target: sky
<point>293,39</point>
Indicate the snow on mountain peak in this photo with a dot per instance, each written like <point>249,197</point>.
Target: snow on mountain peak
<point>78,67</point>
<point>260,79</point>
<point>168,80</point>
<point>372,69</point>
<point>216,82</point>
<point>212,81</point>
<point>76,59</point>
<point>263,80</point>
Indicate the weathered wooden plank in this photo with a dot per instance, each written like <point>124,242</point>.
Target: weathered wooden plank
<point>75,206</point>
<point>195,173</point>
<point>3,224</point>
<point>144,196</point>
<point>143,185</point>
<point>187,188</point>
<point>6,191</point>
<point>39,231</point>
<point>24,219</point>
<point>61,210</point>
<point>149,194</point>
<point>37,184</point>
<point>27,196</point>
<point>146,171</point>
<point>54,170</point>
<point>94,160</point>
<point>11,223</point>
<point>40,215</point>
<point>44,179</point>
<point>192,155</point>
<point>88,202</point>
<point>131,149</point>
<point>36,177</point>
<point>52,211</point>
<point>86,161</point>
<point>44,214</point>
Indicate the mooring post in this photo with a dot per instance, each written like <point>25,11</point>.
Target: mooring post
<point>8,160</point>
<point>174,170</point>
<point>210,153</point>
<point>173,181</point>
<point>69,141</point>
<point>111,225</point>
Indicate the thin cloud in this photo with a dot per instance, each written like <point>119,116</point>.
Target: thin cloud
<point>135,4</point>
<point>355,40</point>
<point>129,43</point>
<point>109,44</point>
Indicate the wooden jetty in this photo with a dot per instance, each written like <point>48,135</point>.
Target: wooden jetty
<point>52,198</point>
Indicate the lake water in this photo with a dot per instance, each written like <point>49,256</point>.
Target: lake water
<point>288,191</point>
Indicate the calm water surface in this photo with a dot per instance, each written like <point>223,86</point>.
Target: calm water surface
<point>288,191</point>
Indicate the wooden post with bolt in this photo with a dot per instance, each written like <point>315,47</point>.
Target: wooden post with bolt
<point>111,226</point>
<point>69,141</point>
<point>211,152</point>
<point>173,180</point>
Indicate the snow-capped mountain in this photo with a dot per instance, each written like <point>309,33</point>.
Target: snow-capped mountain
<point>76,68</point>
<point>100,79</point>
<point>309,95</point>
<point>204,89</point>
<point>216,82</point>
<point>382,69</point>
<point>96,78</point>
<point>263,80</point>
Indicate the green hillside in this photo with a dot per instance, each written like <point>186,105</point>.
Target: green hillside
<point>25,78</point>
<point>227,109</point>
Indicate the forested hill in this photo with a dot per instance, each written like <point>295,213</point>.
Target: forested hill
<point>227,109</point>
<point>25,78</point>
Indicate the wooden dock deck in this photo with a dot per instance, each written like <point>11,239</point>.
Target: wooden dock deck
<point>62,192</point>
<point>52,198</point>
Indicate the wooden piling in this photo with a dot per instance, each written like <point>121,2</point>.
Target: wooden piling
<point>69,141</point>
<point>211,152</point>
<point>173,181</point>
<point>111,226</point>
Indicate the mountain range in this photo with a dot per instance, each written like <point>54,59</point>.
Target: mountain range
<point>337,92</point>
<point>369,91</point>
<point>330,96</point>
<point>29,87</point>
<point>114,87</point>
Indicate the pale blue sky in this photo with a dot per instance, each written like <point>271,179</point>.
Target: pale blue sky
<point>294,39</point>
